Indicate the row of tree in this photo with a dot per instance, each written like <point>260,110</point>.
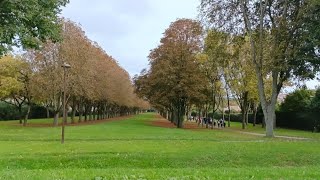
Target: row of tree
<point>97,87</point>
<point>249,51</point>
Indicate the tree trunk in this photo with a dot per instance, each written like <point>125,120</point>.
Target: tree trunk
<point>244,109</point>
<point>199,116</point>
<point>48,112</point>
<point>222,110</point>
<point>73,114</point>
<point>269,108</point>
<point>180,115</point>
<point>20,113</point>
<point>80,116</point>
<point>27,115</point>
<point>172,116</point>
<point>255,110</point>
<point>85,116</point>
<point>269,124</point>
<point>94,113</point>
<point>243,119</point>
<point>90,114</point>
<point>247,116</point>
<point>56,118</point>
<point>229,109</point>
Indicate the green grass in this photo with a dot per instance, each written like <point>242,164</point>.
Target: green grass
<point>134,149</point>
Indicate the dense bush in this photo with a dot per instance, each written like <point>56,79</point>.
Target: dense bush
<point>10,112</point>
<point>300,110</point>
<point>299,120</point>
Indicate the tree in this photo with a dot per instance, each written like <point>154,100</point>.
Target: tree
<point>287,28</point>
<point>26,23</point>
<point>15,84</point>
<point>297,101</point>
<point>215,49</point>
<point>240,76</point>
<point>173,79</point>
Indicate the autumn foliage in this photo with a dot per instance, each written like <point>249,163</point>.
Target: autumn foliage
<point>97,87</point>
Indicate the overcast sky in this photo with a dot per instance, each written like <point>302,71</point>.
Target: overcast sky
<point>126,29</point>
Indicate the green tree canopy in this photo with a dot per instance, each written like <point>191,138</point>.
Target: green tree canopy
<point>297,101</point>
<point>25,23</point>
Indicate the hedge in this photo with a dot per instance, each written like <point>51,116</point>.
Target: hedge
<point>10,112</point>
<point>309,121</point>
<point>299,120</point>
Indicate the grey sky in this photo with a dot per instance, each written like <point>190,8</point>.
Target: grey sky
<point>126,29</point>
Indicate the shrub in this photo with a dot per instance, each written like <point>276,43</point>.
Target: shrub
<point>10,112</point>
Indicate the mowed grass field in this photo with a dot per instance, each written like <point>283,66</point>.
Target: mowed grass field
<point>135,149</point>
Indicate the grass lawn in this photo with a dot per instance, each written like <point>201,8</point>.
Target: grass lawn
<point>134,149</point>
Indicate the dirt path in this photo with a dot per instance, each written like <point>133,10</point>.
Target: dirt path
<point>161,122</point>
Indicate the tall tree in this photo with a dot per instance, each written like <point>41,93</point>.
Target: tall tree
<point>174,76</point>
<point>290,30</point>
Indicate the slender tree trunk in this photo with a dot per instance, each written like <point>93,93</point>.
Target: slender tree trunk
<point>80,117</point>
<point>20,113</point>
<point>243,119</point>
<point>247,116</point>
<point>27,115</point>
<point>73,114</point>
<point>255,110</point>
<point>244,109</point>
<point>172,116</point>
<point>85,116</point>
<point>48,112</point>
<point>229,109</point>
<point>104,111</point>
<point>94,113</point>
<point>56,118</point>
<point>199,116</point>
<point>206,115</point>
<point>222,110</point>
<point>90,114</point>
<point>187,113</point>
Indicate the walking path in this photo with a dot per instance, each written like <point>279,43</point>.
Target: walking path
<point>160,121</point>
<point>284,137</point>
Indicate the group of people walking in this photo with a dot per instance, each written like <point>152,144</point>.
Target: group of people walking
<point>208,120</point>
